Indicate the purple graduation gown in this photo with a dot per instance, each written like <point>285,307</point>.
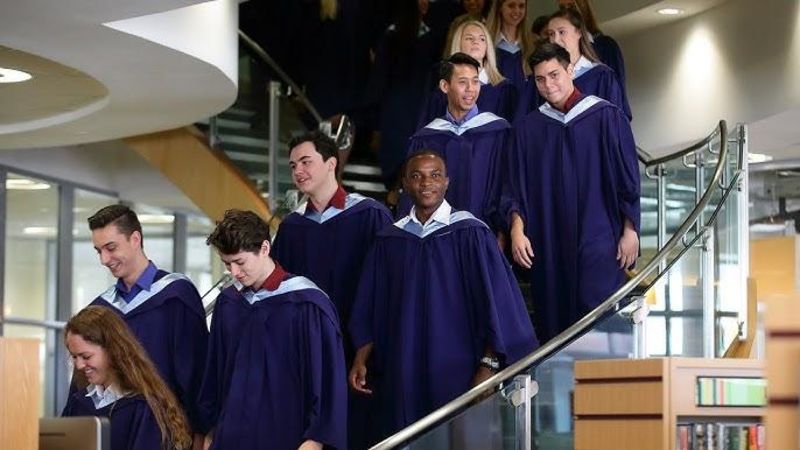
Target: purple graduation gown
<point>600,81</point>
<point>431,306</point>
<point>331,254</point>
<point>500,100</point>
<point>574,179</point>
<point>275,373</point>
<point>610,54</point>
<point>133,425</point>
<point>473,154</point>
<point>510,65</point>
<point>171,326</point>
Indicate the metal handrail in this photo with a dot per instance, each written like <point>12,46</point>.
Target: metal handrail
<point>262,54</point>
<point>688,150</point>
<point>50,324</point>
<point>583,325</point>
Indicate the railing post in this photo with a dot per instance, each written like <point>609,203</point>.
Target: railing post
<point>272,151</point>
<point>661,185</point>
<point>709,303</point>
<point>213,132</point>
<point>743,225</point>
<point>519,393</point>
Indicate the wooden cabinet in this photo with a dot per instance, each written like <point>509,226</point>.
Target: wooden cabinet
<point>637,404</point>
<point>19,394</point>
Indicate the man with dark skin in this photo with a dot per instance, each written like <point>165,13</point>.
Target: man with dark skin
<point>436,297</point>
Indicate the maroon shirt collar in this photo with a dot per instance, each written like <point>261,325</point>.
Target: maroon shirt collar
<point>337,201</point>
<point>573,99</point>
<point>275,278</point>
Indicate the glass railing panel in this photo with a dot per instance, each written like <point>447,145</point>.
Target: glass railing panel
<point>552,406</point>
<point>493,423</point>
<point>648,239</point>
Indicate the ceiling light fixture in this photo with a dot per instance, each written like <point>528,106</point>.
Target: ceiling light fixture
<point>156,219</point>
<point>755,158</point>
<point>670,11</point>
<point>13,76</point>
<point>24,184</point>
<point>40,231</point>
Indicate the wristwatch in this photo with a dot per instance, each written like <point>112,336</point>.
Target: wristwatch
<point>491,363</point>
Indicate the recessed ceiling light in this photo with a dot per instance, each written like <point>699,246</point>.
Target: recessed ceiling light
<point>24,184</point>
<point>670,11</point>
<point>13,76</point>
<point>755,158</point>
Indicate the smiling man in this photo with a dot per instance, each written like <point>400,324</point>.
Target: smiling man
<point>573,197</point>
<point>275,375</point>
<point>471,142</point>
<point>162,309</point>
<point>326,240</point>
<point>437,309</point>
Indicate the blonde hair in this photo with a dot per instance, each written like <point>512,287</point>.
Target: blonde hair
<point>328,9</point>
<point>495,25</point>
<point>133,370</point>
<point>489,63</point>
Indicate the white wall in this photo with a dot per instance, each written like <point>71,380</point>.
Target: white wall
<point>739,61</point>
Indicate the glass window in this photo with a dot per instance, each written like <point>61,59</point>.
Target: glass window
<point>202,265</point>
<point>89,277</point>
<point>158,235</point>
<point>30,264</point>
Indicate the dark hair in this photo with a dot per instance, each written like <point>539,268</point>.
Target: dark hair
<point>323,144</point>
<point>239,231</point>
<point>120,216</point>
<point>447,66</point>
<point>584,7</point>
<point>133,369</point>
<point>547,51</point>
<point>419,153</point>
<point>539,24</point>
<point>574,17</point>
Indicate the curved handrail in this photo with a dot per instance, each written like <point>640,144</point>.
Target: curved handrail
<point>583,325</point>
<point>687,150</point>
<point>261,53</point>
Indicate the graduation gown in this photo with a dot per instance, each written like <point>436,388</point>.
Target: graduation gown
<point>431,306</point>
<point>473,154</point>
<point>500,100</point>
<point>275,373</point>
<point>170,323</point>
<point>133,425</point>
<point>397,85</point>
<point>510,65</point>
<point>574,180</point>
<point>331,253</point>
<point>610,54</point>
<point>600,81</point>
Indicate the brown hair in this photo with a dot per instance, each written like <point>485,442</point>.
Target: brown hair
<point>239,231</point>
<point>133,370</point>
<point>574,17</point>
<point>495,25</point>
<point>585,9</point>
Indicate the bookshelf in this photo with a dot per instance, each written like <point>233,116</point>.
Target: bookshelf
<point>637,404</point>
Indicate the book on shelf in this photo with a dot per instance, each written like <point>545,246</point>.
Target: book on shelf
<point>731,391</point>
<point>720,436</point>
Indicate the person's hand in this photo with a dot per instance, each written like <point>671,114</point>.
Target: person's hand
<point>482,374</point>
<point>310,445</point>
<point>627,248</point>
<point>358,378</point>
<point>502,240</point>
<point>522,250</point>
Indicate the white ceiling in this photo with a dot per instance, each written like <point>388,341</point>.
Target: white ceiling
<point>94,83</point>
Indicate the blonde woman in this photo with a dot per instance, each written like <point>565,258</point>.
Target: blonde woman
<point>513,44</point>
<point>497,95</point>
<point>116,379</point>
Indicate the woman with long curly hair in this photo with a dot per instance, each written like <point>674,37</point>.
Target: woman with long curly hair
<point>116,379</point>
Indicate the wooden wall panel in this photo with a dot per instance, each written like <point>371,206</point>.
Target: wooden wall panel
<point>20,394</point>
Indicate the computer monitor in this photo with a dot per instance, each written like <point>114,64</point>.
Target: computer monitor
<point>74,433</point>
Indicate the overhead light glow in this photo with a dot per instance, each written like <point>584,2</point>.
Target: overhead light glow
<point>670,11</point>
<point>156,219</point>
<point>755,158</point>
<point>24,184</point>
<point>13,76</point>
<point>39,231</point>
